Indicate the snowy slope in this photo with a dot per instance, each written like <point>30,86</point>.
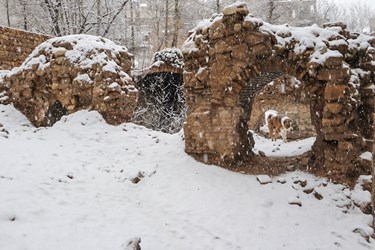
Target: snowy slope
<point>70,187</point>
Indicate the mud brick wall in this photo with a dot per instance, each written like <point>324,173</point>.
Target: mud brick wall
<point>16,45</point>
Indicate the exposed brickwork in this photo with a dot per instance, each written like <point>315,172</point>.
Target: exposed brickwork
<point>16,45</point>
<point>285,95</point>
<point>67,74</point>
<point>226,54</point>
<point>252,87</point>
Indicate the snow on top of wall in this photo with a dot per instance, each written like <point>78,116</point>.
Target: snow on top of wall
<point>302,38</point>
<point>168,56</point>
<point>81,50</point>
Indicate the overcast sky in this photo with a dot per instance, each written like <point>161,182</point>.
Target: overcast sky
<point>370,3</point>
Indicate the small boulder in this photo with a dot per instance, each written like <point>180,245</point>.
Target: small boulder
<point>264,179</point>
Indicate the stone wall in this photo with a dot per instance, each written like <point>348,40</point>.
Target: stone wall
<point>67,74</point>
<point>16,45</point>
<point>161,102</point>
<point>335,67</point>
<point>286,95</point>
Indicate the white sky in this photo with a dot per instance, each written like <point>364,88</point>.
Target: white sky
<point>370,3</point>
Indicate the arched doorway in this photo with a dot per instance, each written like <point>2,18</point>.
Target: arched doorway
<point>225,53</point>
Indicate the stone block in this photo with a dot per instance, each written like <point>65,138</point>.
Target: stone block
<point>261,50</point>
<point>336,121</point>
<point>237,8</point>
<point>345,145</point>
<point>333,62</point>
<point>333,132</point>
<point>335,92</point>
<point>237,27</point>
<point>203,74</point>
<point>333,74</point>
<point>222,47</point>
<point>333,108</point>
<point>240,52</point>
<point>254,39</point>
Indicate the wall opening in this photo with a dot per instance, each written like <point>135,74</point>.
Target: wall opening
<point>287,96</point>
<point>161,102</point>
<point>222,55</point>
<point>55,112</point>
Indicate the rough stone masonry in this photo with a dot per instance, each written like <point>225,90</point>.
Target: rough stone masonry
<point>71,73</point>
<point>335,67</point>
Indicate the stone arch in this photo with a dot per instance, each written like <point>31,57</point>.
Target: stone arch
<point>65,71</point>
<point>55,112</point>
<point>161,103</point>
<point>285,94</point>
<point>224,53</point>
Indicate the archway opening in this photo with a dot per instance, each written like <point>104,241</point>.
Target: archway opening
<point>161,102</point>
<point>55,112</point>
<point>285,96</point>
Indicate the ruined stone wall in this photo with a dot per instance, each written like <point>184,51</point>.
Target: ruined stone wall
<point>334,66</point>
<point>71,73</point>
<point>16,45</point>
<point>161,103</point>
<point>287,96</point>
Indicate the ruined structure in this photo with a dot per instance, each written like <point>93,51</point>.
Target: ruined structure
<point>67,74</point>
<point>335,68</point>
<point>161,102</point>
<point>284,94</point>
<point>16,45</point>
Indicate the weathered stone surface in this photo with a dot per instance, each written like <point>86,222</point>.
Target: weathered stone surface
<point>333,108</point>
<point>240,51</point>
<point>333,74</point>
<point>335,92</point>
<point>334,24</point>
<point>16,45</point>
<point>239,8</point>
<point>336,121</point>
<point>51,84</point>
<point>333,86</point>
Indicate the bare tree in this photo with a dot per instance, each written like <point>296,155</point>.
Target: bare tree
<point>166,26</point>
<point>132,28</point>
<point>7,12</point>
<point>271,10</point>
<point>111,21</point>
<point>358,16</point>
<point>176,23</point>
<point>54,13</point>
<point>98,16</point>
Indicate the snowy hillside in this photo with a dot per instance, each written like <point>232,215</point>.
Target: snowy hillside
<point>83,184</point>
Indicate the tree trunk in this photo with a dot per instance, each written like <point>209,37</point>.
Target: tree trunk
<point>217,6</point>
<point>24,13</point>
<point>8,14</point>
<point>117,14</point>
<point>54,15</point>
<point>176,23</point>
<point>271,7</point>
<point>98,16</point>
<point>166,22</point>
<point>126,27</point>
<point>132,34</point>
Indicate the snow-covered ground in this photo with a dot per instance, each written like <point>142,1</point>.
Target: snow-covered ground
<point>83,184</point>
<point>279,148</point>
